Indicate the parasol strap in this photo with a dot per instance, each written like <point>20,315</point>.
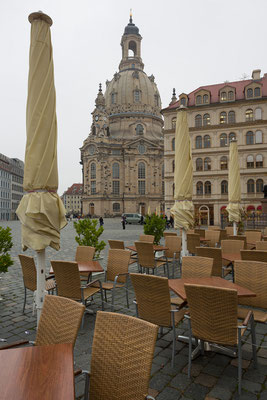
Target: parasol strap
<point>41,191</point>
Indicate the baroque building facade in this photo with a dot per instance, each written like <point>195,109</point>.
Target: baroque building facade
<point>216,114</point>
<point>123,156</point>
<point>72,199</point>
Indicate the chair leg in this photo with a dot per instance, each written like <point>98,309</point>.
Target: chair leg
<point>86,386</point>
<point>25,295</point>
<point>102,299</point>
<point>106,300</point>
<point>173,339</point>
<point>168,273</point>
<point>239,362</point>
<point>127,295</point>
<point>190,350</point>
<point>253,340</point>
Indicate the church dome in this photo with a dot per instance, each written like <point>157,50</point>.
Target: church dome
<point>131,29</point>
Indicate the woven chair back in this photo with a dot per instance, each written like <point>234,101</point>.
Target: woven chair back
<point>146,238</point>
<point>214,227</point>
<point>254,255</point>
<point>193,241</point>
<point>153,298</point>
<point>196,267</point>
<point>67,279</point>
<point>116,244</point>
<point>169,234</point>
<point>213,313</point>
<point>28,271</point>
<point>223,235</point>
<point>59,321</point>
<point>84,253</point>
<point>145,254</point>
<point>216,254</point>
<point>253,276</point>
<point>232,246</point>
<point>122,355</point>
<point>213,237</point>
<point>200,232</point>
<point>118,263</point>
<point>253,236</point>
<point>174,244</point>
<point>229,230</point>
<point>261,245</point>
<point>238,237</point>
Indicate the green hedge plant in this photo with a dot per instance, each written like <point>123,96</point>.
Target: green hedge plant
<point>5,245</point>
<point>88,234</point>
<point>155,225</point>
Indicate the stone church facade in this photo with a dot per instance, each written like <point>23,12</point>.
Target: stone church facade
<point>123,156</point>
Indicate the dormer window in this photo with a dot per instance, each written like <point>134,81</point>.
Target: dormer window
<point>249,93</point>
<point>198,100</point>
<point>205,99</point>
<point>223,96</point>
<point>231,95</point>
<point>183,101</point>
<point>257,92</point>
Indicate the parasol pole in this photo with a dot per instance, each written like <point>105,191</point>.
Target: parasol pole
<point>235,228</point>
<point>40,291</point>
<point>184,251</point>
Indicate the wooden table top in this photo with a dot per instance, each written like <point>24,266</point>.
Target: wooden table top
<point>177,285</point>
<point>38,372</point>
<point>156,247</point>
<point>86,267</point>
<point>231,256</point>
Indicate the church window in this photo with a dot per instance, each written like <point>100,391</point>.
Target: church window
<point>115,171</point>
<point>139,129</point>
<point>113,98</point>
<point>141,178</point>
<point>93,171</point>
<point>141,148</point>
<point>116,207</point>
<point>116,187</point>
<point>93,187</point>
<point>137,96</point>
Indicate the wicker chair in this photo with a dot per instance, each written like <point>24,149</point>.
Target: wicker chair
<point>216,254</point>
<point>253,276</point>
<point>122,355</point>
<point>146,258</point>
<point>174,248</point>
<point>146,238</point>
<point>116,275</point>
<point>254,255</point>
<point>196,267</point>
<point>252,238</point>
<point>238,237</point>
<point>200,232</point>
<point>116,244</point>
<point>229,230</point>
<point>154,303</point>
<point>223,235</point>
<point>230,247</point>
<point>261,245</point>
<point>213,237</point>
<point>211,322</point>
<point>169,234</point>
<point>59,322</point>
<point>30,277</point>
<point>84,254</point>
<point>69,285</point>
<point>193,241</point>
<point>214,227</point>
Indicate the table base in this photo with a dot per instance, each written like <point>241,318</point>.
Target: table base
<point>208,347</point>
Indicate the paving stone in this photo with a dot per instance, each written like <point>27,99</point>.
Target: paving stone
<point>227,382</point>
<point>211,369</point>
<point>159,381</point>
<point>245,363</point>
<point>220,393</point>
<point>206,380</point>
<point>244,396</point>
<point>181,382</point>
<point>195,370</point>
<point>254,375</point>
<point>196,391</point>
<point>251,386</point>
<point>263,395</point>
<point>169,394</point>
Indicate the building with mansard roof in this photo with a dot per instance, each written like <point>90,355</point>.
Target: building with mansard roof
<point>217,113</point>
<point>72,199</point>
<point>122,157</point>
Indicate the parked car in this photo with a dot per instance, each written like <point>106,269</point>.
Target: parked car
<point>133,218</point>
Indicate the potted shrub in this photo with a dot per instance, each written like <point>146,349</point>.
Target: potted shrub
<point>155,225</point>
<point>5,245</point>
<point>88,234</point>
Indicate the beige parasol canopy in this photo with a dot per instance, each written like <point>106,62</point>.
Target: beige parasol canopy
<point>183,209</point>
<point>41,210</point>
<point>234,186</point>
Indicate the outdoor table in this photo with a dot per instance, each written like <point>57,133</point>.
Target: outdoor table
<point>86,267</point>
<point>231,257</point>
<point>38,372</point>
<point>156,247</point>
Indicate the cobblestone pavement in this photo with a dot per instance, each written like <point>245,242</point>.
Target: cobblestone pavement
<point>214,376</point>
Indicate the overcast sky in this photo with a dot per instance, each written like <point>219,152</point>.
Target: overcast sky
<point>186,44</point>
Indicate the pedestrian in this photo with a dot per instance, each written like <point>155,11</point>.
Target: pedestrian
<point>123,221</point>
<point>171,221</point>
<point>101,221</point>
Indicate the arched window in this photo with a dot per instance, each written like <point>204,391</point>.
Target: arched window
<point>207,164</point>
<point>230,95</point>
<point>223,140</point>
<point>199,142</point>
<point>173,166</point>
<point>250,186</point>
<point>223,163</point>
<point>249,114</point>
<point>116,207</point>
<point>174,123</point>
<point>173,144</point>
<point>224,187</point>
<point>207,186</point>
<point>139,129</point>
<point>250,161</point>
<point>258,137</point>
<point>137,96</point>
<point>198,121</point>
<point>206,141</point>
<point>199,188</point>
<point>257,92</point>
<point>232,136</point>
<point>258,113</point>
<point>259,185</point>
<point>205,99</point>
<point>223,96</point>
<point>115,171</point>
<point>199,164</point>
<point>198,100</point>
<point>259,161</point>
<point>223,117</point>
<point>141,178</point>
<point>250,93</point>
<point>206,119</point>
<point>231,117</point>
<point>249,137</point>
<point>93,171</point>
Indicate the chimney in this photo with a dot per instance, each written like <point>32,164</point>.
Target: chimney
<point>256,74</point>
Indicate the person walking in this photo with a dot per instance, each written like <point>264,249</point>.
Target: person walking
<point>101,221</point>
<point>123,221</point>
